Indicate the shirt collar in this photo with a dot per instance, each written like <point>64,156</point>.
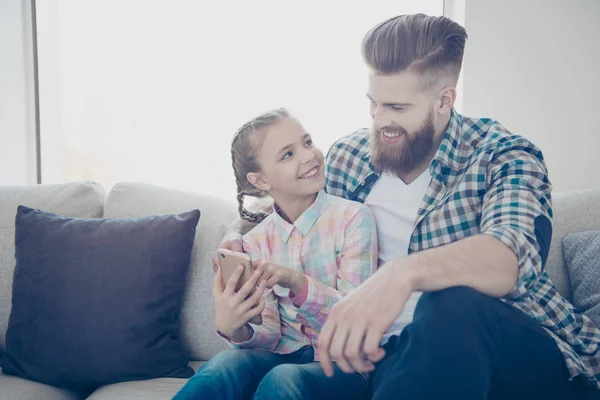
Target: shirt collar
<point>452,153</point>
<point>304,223</point>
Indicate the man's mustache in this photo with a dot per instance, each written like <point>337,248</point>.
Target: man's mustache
<point>390,129</point>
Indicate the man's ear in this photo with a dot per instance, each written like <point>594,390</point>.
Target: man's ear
<point>258,181</point>
<point>447,98</point>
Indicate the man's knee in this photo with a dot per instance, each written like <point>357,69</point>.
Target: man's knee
<point>457,305</point>
<point>454,300</point>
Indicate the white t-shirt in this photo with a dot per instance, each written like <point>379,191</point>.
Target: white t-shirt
<point>395,205</point>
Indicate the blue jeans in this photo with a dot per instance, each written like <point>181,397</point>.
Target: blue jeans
<point>260,374</point>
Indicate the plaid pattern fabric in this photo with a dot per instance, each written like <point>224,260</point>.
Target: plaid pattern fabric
<point>485,180</point>
<point>334,244</point>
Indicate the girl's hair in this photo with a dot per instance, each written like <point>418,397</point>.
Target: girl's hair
<point>244,158</point>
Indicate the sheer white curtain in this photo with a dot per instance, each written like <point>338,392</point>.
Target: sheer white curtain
<point>152,91</point>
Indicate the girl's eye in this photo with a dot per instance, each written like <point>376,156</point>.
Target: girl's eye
<point>309,142</point>
<point>287,155</point>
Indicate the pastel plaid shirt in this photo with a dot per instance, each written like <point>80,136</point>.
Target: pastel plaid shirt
<point>485,180</point>
<point>334,244</point>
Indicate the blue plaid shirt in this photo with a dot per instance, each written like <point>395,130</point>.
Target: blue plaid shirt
<point>485,180</point>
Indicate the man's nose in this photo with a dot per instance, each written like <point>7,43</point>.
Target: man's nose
<point>381,124</point>
<point>380,120</point>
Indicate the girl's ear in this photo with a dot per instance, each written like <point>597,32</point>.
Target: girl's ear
<point>258,181</point>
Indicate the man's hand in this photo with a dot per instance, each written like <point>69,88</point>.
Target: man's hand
<point>274,274</point>
<point>231,241</point>
<point>234,309</point>
<point>352,333</point>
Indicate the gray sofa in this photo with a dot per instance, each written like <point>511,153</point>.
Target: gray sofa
<point>577,211</point>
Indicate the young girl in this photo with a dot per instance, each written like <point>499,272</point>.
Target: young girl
<point>312,250</point>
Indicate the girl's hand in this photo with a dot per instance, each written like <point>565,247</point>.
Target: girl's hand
<point>234,310</point>
<point>274,274</point>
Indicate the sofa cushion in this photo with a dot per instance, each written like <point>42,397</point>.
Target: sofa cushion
<point>97,301</point>
<point>573,212</point>
<point>152,389</point>
<point>582,254</point>
<point>197,318</point>
<point>81,199</point>
<point>13,387</point>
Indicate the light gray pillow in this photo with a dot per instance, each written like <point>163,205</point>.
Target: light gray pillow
<point>582,254</point>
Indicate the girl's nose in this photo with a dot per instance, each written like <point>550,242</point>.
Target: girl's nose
<point>308,156</point>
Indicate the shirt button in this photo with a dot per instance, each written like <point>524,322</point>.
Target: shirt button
<point>363,183</point>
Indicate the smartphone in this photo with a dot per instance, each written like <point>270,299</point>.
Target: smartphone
<point>228,262</point>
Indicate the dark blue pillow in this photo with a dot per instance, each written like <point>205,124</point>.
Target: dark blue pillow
<point>97,301</point>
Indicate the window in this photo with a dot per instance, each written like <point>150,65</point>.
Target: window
<point>153,91</point>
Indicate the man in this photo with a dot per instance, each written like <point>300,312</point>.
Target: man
<point>463,209</point>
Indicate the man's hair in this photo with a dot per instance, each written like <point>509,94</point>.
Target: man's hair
<point>430,46</point>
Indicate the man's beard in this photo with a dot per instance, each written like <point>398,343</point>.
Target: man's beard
<point>402,158</point>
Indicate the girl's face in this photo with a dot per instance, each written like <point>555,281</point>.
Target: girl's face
<point>291,165</point>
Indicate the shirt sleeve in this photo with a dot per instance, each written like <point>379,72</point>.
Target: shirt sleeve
<point>334,178</point>
<point>358,262</point>
<point>265,336</point>
<point>517,211</point>
<point>342,165</point>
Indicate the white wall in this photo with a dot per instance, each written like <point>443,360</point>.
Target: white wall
<point>143,104</point>
<point>17,118</point>
<point>534,66</point>
<point>530,64</point>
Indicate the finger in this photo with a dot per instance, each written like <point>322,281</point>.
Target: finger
<point>272,281</point>
<point>233,280</point>
<point>265,275</point>
<point>353,351</point>
<point>338,347</point>
<point>255,298</point>
<point>253,312</point>
<point>256,264</point>
<point>261,266</point>
<point>215,261</point>
<point>324,344</point>
<point>371,346</point>
<point>218,284</point>
<point>234,244</point>
<point>245,290</point>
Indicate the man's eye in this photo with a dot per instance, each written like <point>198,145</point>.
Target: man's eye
<point>398,108</point>
<point>287,155</point>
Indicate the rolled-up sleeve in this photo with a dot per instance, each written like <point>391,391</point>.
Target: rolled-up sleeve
<point>517,211</point>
